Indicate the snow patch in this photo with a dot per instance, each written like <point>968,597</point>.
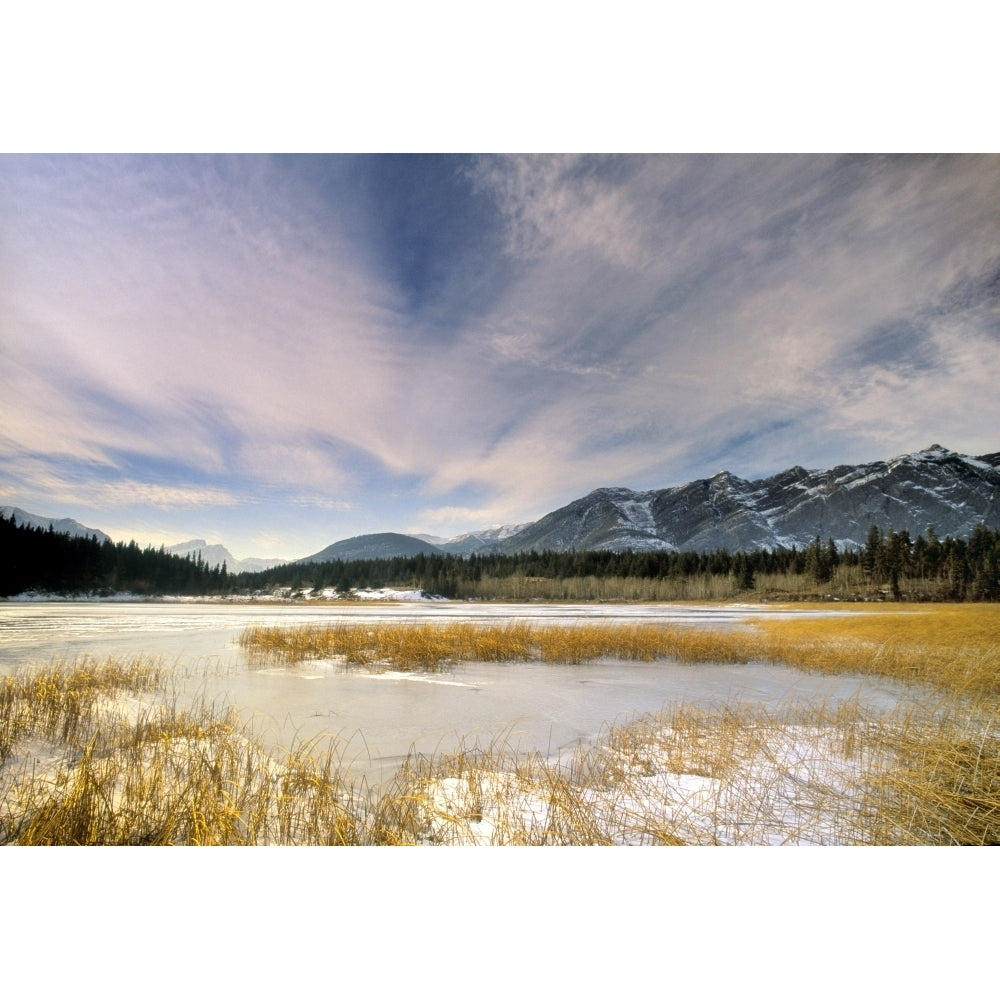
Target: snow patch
<point>391,594</point>
<point>786,785</point>
<point>638,514</point>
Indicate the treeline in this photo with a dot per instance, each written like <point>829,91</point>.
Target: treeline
<point>44,560</point>
<point>889,565</point>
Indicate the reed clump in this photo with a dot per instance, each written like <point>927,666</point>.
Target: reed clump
<point>486,796</point>
<point>740,776</point>
<point>402,646</point>
<point>432,646</point>
<point>60,701</point>
<point>81,768</point>
<point>955,648</point>
<point>91,753</point>
<point>944,785</point>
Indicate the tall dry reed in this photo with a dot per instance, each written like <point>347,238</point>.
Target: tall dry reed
<point>430,646</point>
<point>124,767</point>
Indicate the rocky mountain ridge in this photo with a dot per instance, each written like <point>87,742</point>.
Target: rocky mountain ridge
<point>62,525</point>
<point>217,555</point>
<point>935,487</point>
<point>474,541</point>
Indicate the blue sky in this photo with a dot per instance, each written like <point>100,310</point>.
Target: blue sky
<point>280,352</point>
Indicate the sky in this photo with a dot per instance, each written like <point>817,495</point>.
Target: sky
<point>278,352</point>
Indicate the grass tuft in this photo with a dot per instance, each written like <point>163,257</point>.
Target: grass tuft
<point>91,754</point>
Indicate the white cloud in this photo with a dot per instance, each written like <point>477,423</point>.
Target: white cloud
<point>744,288</point>
<point>220,320</point>
<point>37,479</point>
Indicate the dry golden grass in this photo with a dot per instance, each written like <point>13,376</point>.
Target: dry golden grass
<point>944,784</point>
<point>953,647</point>
<point>787,775</point>
<point>404,646</point>
<point>163,775</point>
<point>492,796</point>
<point>58,702</point>
<point>429,646</point>
<point>928,773</point>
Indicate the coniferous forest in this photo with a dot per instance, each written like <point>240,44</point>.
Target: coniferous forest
<point>45,560</point>
<point>889,566</point>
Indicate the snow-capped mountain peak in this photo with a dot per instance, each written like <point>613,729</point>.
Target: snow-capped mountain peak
<point>938,487</point>
<point>215,556</point>
<point>61,525</point>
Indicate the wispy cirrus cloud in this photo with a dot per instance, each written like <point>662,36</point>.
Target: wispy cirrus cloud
<point>758,276</point>
<point>86,488</point>
<point>361,338</point>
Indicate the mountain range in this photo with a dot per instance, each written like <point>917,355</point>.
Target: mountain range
<point>61,525</point>
<point>474,541</point>
<point>384,545</point>
<point>935,487</point>
<point>217,555</point>
<point>931,488</point>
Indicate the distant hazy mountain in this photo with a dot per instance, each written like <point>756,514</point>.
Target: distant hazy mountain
<point>216,555</point>
<point>385,545</point>
<point>486,539</point>
<point>62,525</point>
<point>937,487</point>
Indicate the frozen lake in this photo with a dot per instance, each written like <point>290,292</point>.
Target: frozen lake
<point>379,718</point>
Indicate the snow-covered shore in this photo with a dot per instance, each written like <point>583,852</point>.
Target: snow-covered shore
<point>280,595</point>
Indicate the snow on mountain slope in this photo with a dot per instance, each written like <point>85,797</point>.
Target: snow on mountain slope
<point>935,487</point>
<point>215,555</point>
<point>212,555</point>
<point>473,541</point>
<point>62,526</point>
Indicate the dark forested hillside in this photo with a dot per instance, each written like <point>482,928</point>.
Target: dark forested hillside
<point>889,565</point>
<point>45,560</point>
<point>935,486</point>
